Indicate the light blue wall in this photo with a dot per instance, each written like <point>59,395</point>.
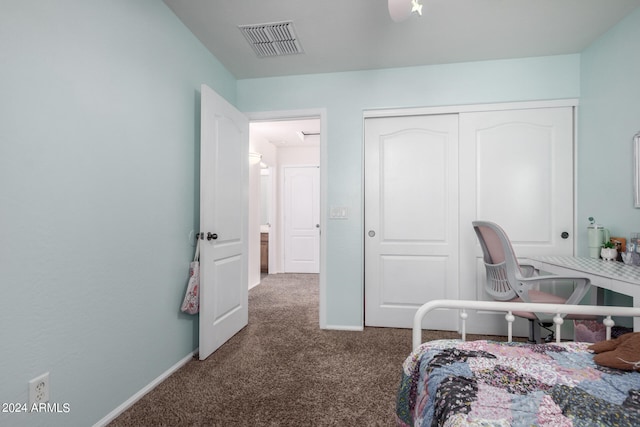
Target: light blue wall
<point>609,117</point>
<point>347,95</point>
<point>99,140</point>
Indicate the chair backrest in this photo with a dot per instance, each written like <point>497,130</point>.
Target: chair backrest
<point>500,260</point>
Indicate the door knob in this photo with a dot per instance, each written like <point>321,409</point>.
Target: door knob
<point>564,235</point>
<point>212,236</point>
<point>372,233</point>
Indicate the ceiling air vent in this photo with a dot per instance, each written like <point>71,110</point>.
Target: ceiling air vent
<point>275,39</point>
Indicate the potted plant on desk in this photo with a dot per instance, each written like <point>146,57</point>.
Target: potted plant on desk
<point>609,251</point>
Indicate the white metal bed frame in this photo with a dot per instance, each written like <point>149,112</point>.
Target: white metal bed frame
<point>557,309</point>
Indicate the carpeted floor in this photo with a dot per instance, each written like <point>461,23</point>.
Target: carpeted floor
<point>283,370</point>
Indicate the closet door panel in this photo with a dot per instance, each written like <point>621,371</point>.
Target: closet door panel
<point>411,218</point>
<point>518,172</point>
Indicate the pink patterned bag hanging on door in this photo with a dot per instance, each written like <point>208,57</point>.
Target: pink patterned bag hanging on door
<point>191,303</point>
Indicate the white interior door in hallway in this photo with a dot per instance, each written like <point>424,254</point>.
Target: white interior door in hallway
<point>427,177</point>
<point>301,219</point>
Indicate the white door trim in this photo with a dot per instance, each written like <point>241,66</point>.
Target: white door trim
<point>453,109</point>
<point>303,114</point>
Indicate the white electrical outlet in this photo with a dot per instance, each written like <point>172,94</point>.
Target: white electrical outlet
<point>39,389</point>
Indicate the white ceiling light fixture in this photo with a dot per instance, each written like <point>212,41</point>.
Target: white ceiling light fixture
<point>254,158</point>
<point>399,10</point>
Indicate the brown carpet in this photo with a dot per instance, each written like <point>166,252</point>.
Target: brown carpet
<point>283,370</point>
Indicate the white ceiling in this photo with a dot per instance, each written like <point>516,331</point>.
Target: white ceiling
<point>348,35</point>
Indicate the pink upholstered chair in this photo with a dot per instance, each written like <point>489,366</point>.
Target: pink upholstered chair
<point>508,280</point>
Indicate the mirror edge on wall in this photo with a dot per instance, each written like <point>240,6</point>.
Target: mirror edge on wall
<point>636,170</point>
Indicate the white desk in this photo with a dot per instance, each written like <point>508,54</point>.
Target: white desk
<point>612,275</point>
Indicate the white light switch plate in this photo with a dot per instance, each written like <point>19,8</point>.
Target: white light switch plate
<point>339,212</point>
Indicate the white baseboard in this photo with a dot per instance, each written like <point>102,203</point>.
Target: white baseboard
<point>133,399</point>
<point>344,328</point>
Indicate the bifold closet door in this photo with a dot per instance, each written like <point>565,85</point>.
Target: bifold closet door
<point>411,218</point>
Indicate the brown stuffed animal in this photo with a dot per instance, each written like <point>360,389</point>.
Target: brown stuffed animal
<point>620,353</point>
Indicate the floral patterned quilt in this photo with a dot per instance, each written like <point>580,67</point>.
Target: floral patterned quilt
<point>486,383</point>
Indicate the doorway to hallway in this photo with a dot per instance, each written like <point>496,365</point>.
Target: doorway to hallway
<point>293,141</point>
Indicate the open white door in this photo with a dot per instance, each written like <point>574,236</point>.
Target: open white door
<point>224,181</point>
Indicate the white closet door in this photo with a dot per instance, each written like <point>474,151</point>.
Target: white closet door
<point>516,170</point>
<point>424,185</point>
<point>411,218</point>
